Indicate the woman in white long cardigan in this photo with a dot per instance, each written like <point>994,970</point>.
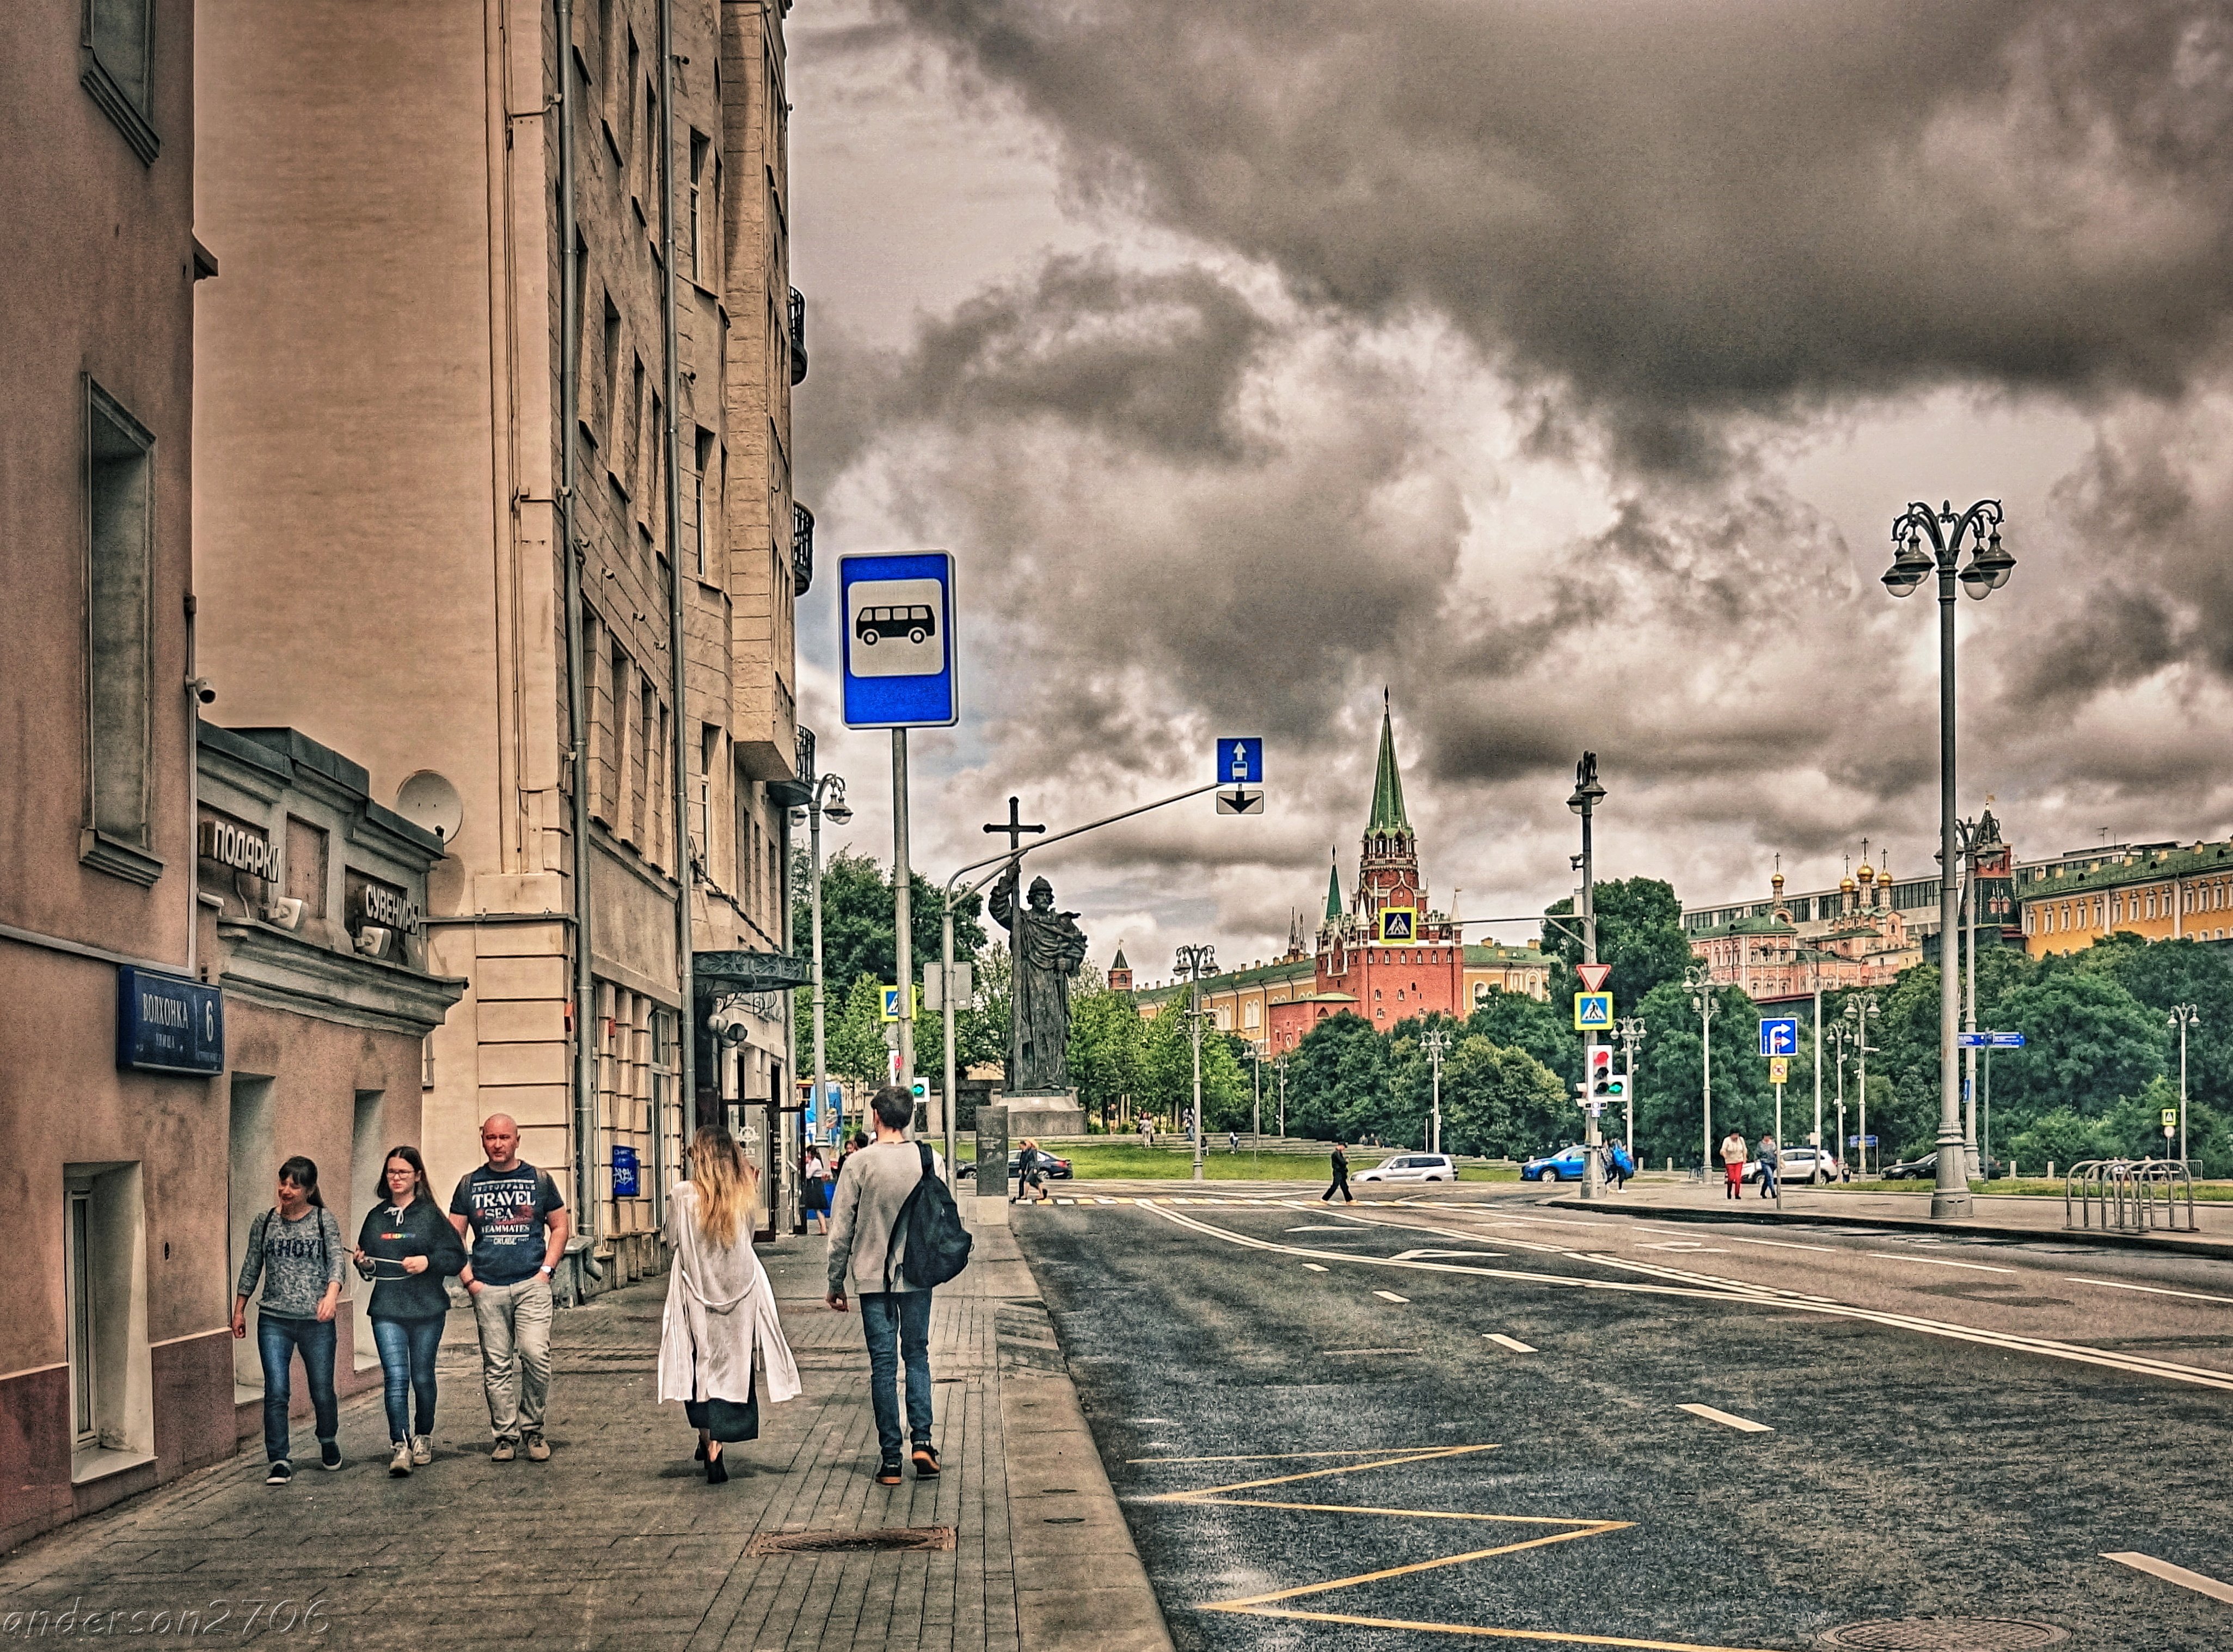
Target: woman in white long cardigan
<point>719,1306</point>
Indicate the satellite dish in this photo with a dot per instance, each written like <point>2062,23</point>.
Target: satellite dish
<point>428,800</point>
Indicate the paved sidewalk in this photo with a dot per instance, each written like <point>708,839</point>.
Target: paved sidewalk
<point>617,1540</point>
<point>1993,1214</point>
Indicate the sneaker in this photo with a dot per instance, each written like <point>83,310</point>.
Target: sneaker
<point>329,1454</point>
<point>539,1449</point>
<point>925,1461</point>
<point>422,1450</point>
<point>505,1452</point>
<point>400,1464</point>
<point>887,1473</point>
<point>281,1472</point>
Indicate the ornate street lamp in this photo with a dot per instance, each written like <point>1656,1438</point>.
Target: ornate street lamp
<point>828,799</point>
<point>1934,542</point>
<point>1194,962</point>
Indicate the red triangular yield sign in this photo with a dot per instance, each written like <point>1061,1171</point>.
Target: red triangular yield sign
<point>1594,976</point>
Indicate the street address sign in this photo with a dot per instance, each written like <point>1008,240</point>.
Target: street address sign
<point>1593,1012</point>
<point>1778,1034</point>
<point>1989,1040</point>
<point>1593,976</point>
<point>896,645</point>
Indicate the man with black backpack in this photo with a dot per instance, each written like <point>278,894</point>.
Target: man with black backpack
<point>894,1236</point>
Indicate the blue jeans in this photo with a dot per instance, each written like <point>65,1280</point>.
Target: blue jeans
<point>276,1342</point>
<point>407,1349</point>
<point>904,1316</point>
<point>1768,1181</point>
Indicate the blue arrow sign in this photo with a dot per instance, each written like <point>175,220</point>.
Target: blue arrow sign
<point>1989,1040</point>
<point>1778,1034</point>
<point>895,645</point>
<point>1241,762</point>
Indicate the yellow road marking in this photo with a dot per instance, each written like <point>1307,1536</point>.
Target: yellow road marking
<point>1562,1639</point>
<point>1425,1455</point>
<point>1417,1567</point>
<point>1289,1456</point>
<point>2198,1582</point>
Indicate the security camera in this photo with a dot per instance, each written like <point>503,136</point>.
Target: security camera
<point>286,912</point>
<point>202,689</point>
<point>373,941</point>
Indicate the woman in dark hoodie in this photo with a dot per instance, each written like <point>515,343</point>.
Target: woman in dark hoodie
<point>409,1247</point>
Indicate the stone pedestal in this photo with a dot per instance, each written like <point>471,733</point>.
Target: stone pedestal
<point>1039,1116</point>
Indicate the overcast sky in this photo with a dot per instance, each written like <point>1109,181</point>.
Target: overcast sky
<point>1557,367</point>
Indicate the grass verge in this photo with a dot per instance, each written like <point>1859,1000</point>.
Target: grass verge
<point>1135,1163</point>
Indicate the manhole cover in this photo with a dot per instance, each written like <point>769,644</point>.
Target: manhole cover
<point>889,1538</point>
<point>1945,1635</point>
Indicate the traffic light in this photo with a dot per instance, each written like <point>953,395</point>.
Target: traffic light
<point>1601,1075</point>
<point>922,1089</point>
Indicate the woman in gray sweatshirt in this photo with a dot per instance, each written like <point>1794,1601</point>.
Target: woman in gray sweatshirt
<point>297,1246</point>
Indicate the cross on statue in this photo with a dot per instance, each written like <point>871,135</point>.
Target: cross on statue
<point>1013,826</point>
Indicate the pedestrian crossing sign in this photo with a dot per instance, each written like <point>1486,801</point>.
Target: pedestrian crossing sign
<point>1398,925</point>
<point>1593,1012</point>
<point>892,1005</point>
<point>1779,1070</point>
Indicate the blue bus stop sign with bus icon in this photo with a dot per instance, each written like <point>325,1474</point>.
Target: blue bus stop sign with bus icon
<point>1241,762</point>
<point>1778,1034</point>
<point>896,644</point>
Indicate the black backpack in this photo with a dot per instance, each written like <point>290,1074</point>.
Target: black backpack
<point>929,1226</point>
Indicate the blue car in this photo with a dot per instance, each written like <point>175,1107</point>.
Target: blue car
<point>1566,1165</point>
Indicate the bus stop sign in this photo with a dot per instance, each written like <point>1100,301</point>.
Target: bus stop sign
<point>895,645</point>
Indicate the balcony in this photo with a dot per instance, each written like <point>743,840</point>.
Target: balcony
<point>797,337</point>
<point>797,793</point>
<point>801,550</point>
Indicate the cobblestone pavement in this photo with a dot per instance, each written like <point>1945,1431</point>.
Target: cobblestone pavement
<point>617,1540</point>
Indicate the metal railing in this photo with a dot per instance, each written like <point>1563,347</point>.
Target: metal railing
<point>802,549</point>
<point>797,319</point>
<point>2128,1196</point>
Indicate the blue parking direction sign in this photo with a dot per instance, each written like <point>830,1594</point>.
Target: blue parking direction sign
<point>1989,1040</point>
<point>895,645</point>
<point>1593,1012</point>
<point>1241,762</point>
<point>1778,1034</point>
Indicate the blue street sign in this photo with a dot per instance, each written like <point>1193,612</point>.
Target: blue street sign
<point>1593,1012</point>
<point>1989,1040</point>
<point>1241,762</point>
<point>166,1024</point>
<point>1778,1034</point>
<point>1860,1140</point>
<point>625,1185</point>
<point>895,646</point>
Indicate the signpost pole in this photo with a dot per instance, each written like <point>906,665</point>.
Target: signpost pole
<point>1587,792</point>
<point>902,916</point>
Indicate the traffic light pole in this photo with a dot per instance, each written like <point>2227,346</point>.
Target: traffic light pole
<point>1583,801</point>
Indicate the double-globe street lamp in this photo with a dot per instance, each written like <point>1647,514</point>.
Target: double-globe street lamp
<point>1587,795</point>
<point>1699,982</point>
<point>2183,1016</point>
<point>1630,1030</point>
<point>828,799</point>
<point>1194,962</point>
<point>1947,535</point>
<point>1435,1041</point>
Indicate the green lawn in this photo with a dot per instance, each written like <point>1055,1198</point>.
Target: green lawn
<point>2202,1190</point>
<point>1135,1163</point>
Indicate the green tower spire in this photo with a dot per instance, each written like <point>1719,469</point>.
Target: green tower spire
<point>1333,894</point>
<point>1388,814</point>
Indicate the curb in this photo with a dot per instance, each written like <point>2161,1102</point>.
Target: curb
<point>2216,1249</point>
<point>1080,1584</point>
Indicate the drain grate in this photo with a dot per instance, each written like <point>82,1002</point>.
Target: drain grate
<point>1945,1634</point>
<point>888,1540</point>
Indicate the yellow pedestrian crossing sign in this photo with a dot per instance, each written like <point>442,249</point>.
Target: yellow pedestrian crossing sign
<point>892,1004</point>
<point>1593,1012</point>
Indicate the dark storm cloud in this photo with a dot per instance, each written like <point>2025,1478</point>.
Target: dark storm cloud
<point>1680,209</point>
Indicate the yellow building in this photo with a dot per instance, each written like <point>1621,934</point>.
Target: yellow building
<point>2160,895</point>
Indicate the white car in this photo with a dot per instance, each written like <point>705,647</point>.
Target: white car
<point>1413,1167</point>
<point>1804,1165</point>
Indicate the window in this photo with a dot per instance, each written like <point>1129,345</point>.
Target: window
<point>104,1280</point>
<point>119,531</point>
<point>84,1407</point>
<point>699,144</point>
<point>612,366</point>
<point>704,453</point>
<point>627,121</point>
<point>709,750</point>
<point>117,39</point>
<point>633,467</point>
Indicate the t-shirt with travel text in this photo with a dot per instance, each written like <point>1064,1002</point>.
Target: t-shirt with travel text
<point>510,1211</point>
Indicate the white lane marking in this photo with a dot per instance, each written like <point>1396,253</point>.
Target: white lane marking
<point>1405,1256</point>
<point>1739,1238</point>
<point>1688,1247</point>
<point>1317,1228</point>
<point>1390,1296</point>
<point>1935,1261</point>
<point>2170,1574</point>
<point>1743,1424</point>
<point>1315,1268</point>
<point>1332,1351</point>
<point>1512,1343</point>
<point>1704,1288</point>
<point>2153,1289</point>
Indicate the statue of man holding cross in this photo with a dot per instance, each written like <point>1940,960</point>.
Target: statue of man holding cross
<point>1045,947</point>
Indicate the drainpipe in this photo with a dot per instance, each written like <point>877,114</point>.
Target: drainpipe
<point>586,1209</point>
<point>677,663</point>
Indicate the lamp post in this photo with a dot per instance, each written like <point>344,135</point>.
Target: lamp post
<point>1587,795</point>
<point>1192,962</point>
<point>2183,1016</point>
<point>1969,833</point>
<point>1435,1041</point>
<point>828,799</point>
<point>1700,980</point>
<point>1280,1068</point>
<point>1840,1035</point>
<point>1858,1009</point>
<point>1631,1029</point>
<point>1978,528</point>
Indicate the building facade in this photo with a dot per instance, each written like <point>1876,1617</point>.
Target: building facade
<point>115,1369</point>
<point>2156,891</point>
<point>1386,953</point>
<point>494,492</point>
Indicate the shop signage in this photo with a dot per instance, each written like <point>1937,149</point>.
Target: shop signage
<point>231,844</point>
<point>371,902</point>
<point>166,1024</point>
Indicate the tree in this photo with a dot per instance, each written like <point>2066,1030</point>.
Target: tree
<point>1106,1041</point>
<point>1338,1079</point>
<point>1501,1101</point>
<point>1166,1073</point>
<point>2180,972</point>
<point>1639,934</point>
<point>858,931</point>
<point>2089,1044</point>
<point>853,1044</point>
<point>1669,1072</point>
<point>1517,1022</point>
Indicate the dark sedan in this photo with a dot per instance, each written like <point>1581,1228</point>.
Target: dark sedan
<point>1052,1166</point>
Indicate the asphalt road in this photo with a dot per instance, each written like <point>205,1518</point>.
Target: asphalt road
<point>1943,1428</point>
